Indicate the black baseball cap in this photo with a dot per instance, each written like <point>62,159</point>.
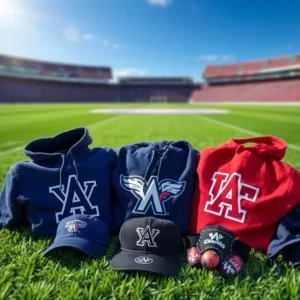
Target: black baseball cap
<point>149,244</point>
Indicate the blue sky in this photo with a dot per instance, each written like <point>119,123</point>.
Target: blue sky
<point>150,37</point>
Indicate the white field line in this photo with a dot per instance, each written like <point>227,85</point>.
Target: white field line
<point>106,121</point>
<point>10,143</point>
<point>242,130</point>
<point>11,151</point>
<point>92,126</point>
<point>252,103</point>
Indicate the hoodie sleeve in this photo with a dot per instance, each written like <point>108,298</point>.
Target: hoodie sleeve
<point>10,209</point>
<point>286,240</point>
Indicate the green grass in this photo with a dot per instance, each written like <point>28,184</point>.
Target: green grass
<point>26,274</point>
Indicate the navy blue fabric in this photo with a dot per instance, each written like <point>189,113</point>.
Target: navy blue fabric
<point>154,179</point>
<point>286,240</point>
<point>63,177</point>
<point>82,232</point>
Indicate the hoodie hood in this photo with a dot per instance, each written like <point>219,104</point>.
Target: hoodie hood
<point>68,142</point>
<point>148,159</point>
<point>71,142</point>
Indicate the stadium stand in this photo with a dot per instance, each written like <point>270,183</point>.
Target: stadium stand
<point>34,69</point>
<point>20,90</point>
<point>252,70</point>
<point>276,79</point>
<point>27,80</point>
<point>155,89</point>
<point>275,90</point>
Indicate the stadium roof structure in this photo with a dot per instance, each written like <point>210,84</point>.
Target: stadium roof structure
<point>148,80</point>
<point>273,65</point>
<point>39,69</point>
<point>40,61</point>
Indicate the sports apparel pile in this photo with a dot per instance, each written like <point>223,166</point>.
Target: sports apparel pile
<point>164,199</point>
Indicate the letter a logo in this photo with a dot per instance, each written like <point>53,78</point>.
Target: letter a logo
<point>146,235</point>
<point>227,193</point>
<point>76,199</point>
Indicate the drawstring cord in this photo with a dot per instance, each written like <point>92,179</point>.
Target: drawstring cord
<point>61,170</point>
<point>75,166</point>
<point>151,160</point>
<point>160,163</point>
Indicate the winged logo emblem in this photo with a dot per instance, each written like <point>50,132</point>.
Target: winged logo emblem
<point>153,193</point>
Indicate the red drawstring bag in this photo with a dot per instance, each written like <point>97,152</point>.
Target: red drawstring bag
<point>245,188</point>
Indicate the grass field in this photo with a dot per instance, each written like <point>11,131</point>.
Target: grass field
<point>25,274</point>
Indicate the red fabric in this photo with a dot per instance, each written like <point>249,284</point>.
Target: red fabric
<point>245,188</point>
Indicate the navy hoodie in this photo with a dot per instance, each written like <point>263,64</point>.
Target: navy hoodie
<point>63,177</point>
<point>154,179</point>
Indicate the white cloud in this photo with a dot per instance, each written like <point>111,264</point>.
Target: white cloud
<point>217,57</point>
<point>210,57</point>
<point>227,57</point>
<point>159,2</point>
<point>108,43</point>
<point>88,36</point>
<point>129,72</point>
<point>72,34</point>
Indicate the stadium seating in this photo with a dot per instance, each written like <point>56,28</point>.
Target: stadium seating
<point>275,90</point>
<point>29,90</point>
<point>251,68</point>
<point>26,91</point>
<point>269,80</point>
<point>275,79</point>
<point>248,68</point>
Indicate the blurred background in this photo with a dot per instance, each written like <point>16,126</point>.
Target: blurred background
<point>149,50</point>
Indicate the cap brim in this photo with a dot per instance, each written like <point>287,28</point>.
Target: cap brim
<point>95,250</point>
<point>132,261</point>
